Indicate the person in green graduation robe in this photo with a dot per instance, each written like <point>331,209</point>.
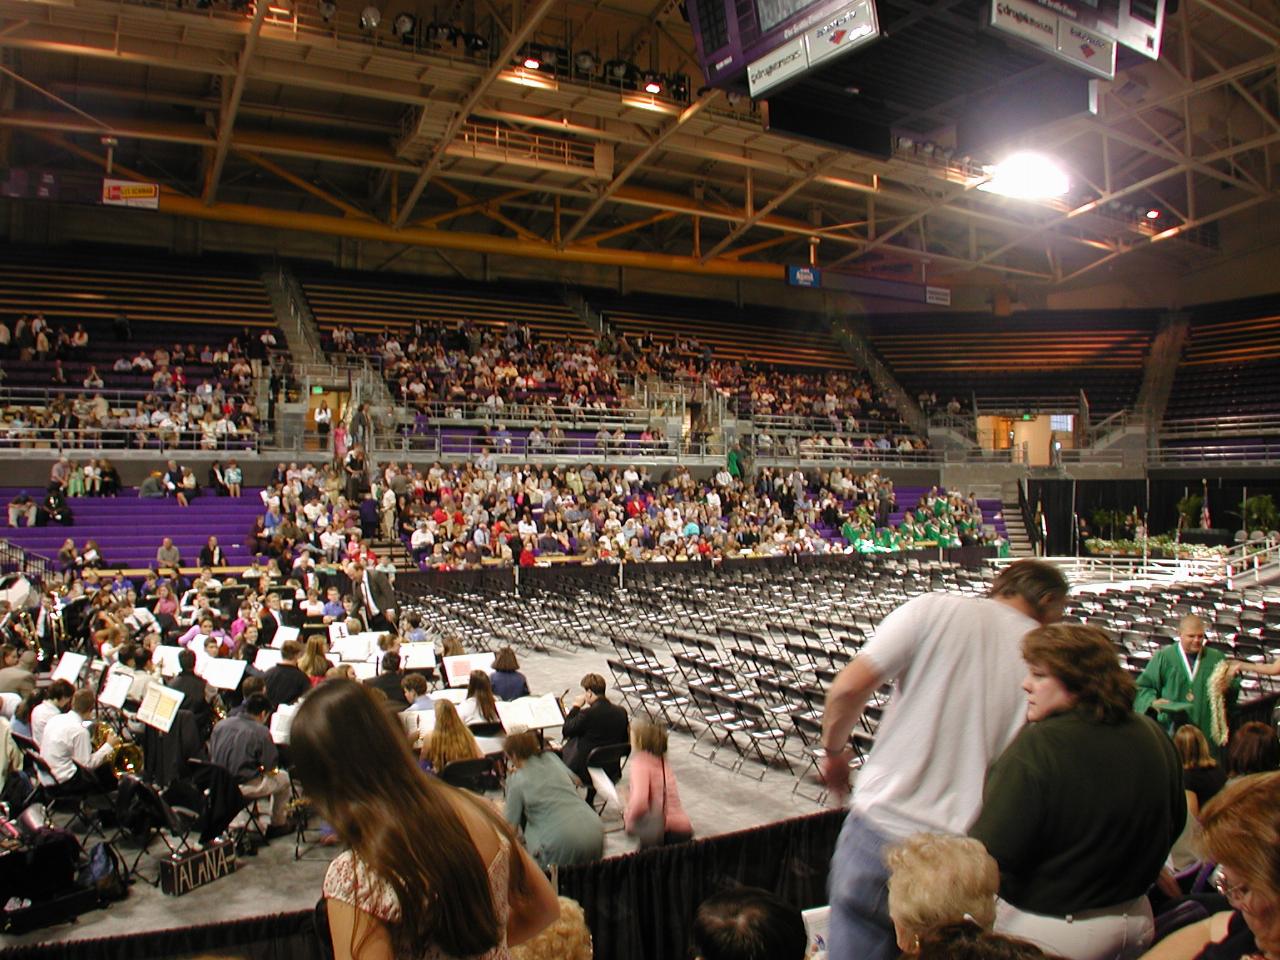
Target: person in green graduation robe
<point>1176,684</point>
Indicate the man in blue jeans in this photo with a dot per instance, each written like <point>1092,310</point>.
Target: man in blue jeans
<point>958,669</point>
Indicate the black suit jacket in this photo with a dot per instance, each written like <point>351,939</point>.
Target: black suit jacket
<point>384,595</point>
<point>389,683</point>
<point>286,683</point>
<point>212,558</point>
<point>601,724</point>
<point>194,700</point>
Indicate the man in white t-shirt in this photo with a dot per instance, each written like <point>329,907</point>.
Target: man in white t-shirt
<point>958,703</point>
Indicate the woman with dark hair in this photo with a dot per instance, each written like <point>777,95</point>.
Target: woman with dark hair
<point>507,680</point>
<point>432,871</point>
<point>559,826</point>
<point>1253,748</point>
<point>479,706</point>
<point>1082,808</point>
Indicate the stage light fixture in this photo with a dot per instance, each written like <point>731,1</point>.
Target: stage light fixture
<point>1153,214</point>
<point>370,18</point>
<point>652,84</point>
<point>475,43</point>
<point>441,33</point>
<point>1027,176</point>
<point>585,62</point>
<point>404,26</point>
<point>328,10</point>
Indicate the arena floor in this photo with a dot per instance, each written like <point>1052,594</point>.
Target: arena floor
<point>717,800</point>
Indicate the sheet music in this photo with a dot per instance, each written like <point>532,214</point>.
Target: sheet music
<point>365,671</point>
<point>282,722</point>
<point>532,713</point>
<point>458,669</point>
<point>282,634</point>
<point>417,656</point>
<point>167,657</point>
<point>160,706</point>
<point>356,647</point>
<point>418,722</point>
<point>266,658</point>
<point>337,630</point>
<point>69,667</point>
<point>116,691</point>
<point>453,696</point>
<point>221,673</point>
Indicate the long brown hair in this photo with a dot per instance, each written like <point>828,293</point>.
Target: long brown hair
<point>314,662</point>
<point>402,825</point>
<point>480,688</point>
<point>450,740</point>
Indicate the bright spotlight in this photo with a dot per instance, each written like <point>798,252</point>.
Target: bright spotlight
<point>1153,214</point>
<point>370,17</point>
<point>531,62</point>
<point>652,84</point>
<point>1027,176</point>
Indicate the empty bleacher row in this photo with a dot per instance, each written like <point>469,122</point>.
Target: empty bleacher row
<point>1224,389</point>
<point>741,657</point>
<point>1033,360</point>
<point>724,333</point>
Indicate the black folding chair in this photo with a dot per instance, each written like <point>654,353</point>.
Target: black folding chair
<point>478,776</point>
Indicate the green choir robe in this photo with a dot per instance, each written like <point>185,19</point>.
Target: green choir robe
<point>1166,678</point>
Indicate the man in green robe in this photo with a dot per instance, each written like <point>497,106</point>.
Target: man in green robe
<point>1176,683</point>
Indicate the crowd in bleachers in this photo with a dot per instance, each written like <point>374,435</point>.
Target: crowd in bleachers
<point>184,395</point>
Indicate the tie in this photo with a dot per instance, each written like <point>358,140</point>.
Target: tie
<point>368,597</point>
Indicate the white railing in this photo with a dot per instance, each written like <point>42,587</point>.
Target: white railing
<point>1080,570</point>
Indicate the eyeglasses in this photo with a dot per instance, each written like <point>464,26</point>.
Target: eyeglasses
<point>1234,892</point>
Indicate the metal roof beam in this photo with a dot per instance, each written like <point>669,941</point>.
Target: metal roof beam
<point>227,120</point>
<point>500,63</point>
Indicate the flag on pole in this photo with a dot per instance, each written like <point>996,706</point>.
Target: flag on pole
<point>1205,522</point>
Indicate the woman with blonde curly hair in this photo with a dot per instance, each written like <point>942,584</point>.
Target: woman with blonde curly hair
<point>449,741</point>
<point>566,939</point>
<point>936,879</point>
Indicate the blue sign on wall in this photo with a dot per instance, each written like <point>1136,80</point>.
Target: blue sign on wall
<point>804,277</point>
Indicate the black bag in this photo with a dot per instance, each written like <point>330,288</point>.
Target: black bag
<point>105,872</point>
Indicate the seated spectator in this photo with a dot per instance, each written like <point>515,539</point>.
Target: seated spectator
<point>560,828</point>
<point>168,557</point>
<point>507,680</point>
<point>748,923</point>
<point>22,507</point>
<point>152,486</point>
<point>654,814</point>
<point>55,509</point>
<point>242,745</point>
<point>935,880</point>
<point>1241,832</point>
<point>449,741</point>
<point>1081,810</point>
<point>1253,748</point>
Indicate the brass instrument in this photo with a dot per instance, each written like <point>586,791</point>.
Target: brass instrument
<point>125,759</point>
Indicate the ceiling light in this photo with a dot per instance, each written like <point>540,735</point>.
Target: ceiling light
<point>1153,214</point>
<point>531,62</point>
<point>475,43</point>
<point>328,9</point>
<point>370,18</point>
<point>585,62</point>
<point>652,84</point>
<point>529,78</point>
<point>1027,176</point>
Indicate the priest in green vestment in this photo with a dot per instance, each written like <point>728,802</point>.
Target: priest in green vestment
<point>1176,684</point>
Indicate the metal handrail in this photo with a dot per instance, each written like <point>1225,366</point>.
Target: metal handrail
<point>16,559</point>
<point>1266,454</point>
<point>1093,569</point>
<point>90,439</point>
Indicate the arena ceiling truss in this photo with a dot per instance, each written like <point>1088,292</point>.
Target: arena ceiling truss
<point>273,116</point>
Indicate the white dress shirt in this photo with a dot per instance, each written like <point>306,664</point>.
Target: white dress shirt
<point>42,713</point>
<point>66,742</point>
